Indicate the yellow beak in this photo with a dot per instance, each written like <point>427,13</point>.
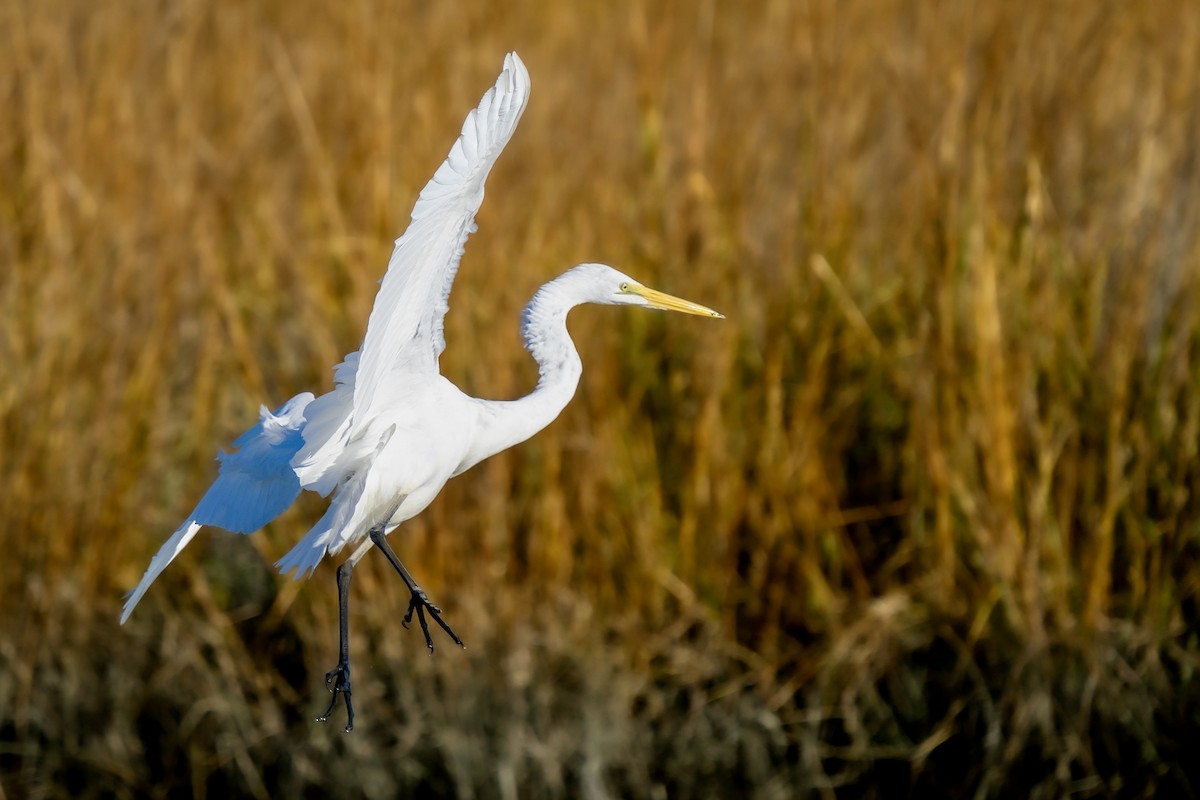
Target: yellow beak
<point>668,302</point>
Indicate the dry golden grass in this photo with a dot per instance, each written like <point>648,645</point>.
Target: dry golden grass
<point>920,517</point>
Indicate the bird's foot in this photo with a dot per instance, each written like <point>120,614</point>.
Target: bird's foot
<point>337,680</point>
<point>420,604</point>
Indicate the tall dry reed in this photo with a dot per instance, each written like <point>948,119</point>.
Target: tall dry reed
<point>920,517</point>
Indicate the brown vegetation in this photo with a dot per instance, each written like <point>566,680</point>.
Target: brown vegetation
<point>919,517</point>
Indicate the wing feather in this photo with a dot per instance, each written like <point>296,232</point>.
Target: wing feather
<point>405,331</point>
<point>302,443</point>
<point>255,485</point>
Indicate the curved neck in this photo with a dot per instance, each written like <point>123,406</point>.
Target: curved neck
<point>504,423</point>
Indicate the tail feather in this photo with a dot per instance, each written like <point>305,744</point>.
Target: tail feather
<point>339,524</point>
<point>308,552</point>
<point>324,536</point>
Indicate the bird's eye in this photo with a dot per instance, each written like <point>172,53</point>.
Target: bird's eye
<point>624,287</point>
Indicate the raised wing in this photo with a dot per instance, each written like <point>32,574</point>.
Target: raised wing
<point>405,331</point>
<point>256,484</point>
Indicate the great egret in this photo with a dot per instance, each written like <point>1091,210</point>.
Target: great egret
<point>390,434</point>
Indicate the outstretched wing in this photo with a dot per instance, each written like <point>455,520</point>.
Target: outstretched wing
<point>256,484</point>
<point>405,331</point>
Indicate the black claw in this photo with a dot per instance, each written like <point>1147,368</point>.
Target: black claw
<point>424,624</point>
<point>437,617</point>
<point>337,680</point>
<point>419,603</point>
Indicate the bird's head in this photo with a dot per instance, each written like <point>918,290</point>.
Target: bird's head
<point>600,283</point>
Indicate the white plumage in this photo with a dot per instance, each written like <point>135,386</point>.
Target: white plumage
<point>392,431</point>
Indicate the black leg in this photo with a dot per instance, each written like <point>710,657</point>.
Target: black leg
<point>419,601</point>
<point>338,678</point>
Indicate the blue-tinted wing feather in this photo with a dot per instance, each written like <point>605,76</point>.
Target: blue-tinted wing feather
<point>256,484</point>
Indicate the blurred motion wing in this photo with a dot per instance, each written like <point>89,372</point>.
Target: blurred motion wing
<point>255,485</point>
<point>405,330</point>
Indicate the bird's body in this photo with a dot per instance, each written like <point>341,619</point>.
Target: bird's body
<point>393,431</point>
<point>406,454</point>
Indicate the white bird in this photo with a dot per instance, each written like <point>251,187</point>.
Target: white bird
<point>390,434</point>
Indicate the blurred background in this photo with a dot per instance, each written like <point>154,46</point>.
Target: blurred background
<point>919,518</point>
